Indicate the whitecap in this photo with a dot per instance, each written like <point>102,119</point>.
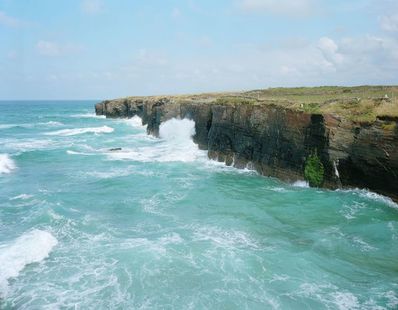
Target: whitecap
<point>175,145</point>
<point>371,196</point>
<point>135,121</point>
<point>79,131</point>
<point>70,152</point>
<point>22,197</point>
<point>345,300</point>
<point>28,144</point>
<point>277,189</point>
<point>7,126</point>
<point>301,183</point>
<point>51,124</point>
<point>32,247</point>
<point>87,115</point>
<point>6,164</point>
<point>223,238</point>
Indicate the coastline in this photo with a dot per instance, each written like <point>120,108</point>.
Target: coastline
<point>276,138</point>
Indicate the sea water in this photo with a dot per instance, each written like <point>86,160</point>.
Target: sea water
<point>156,225</point>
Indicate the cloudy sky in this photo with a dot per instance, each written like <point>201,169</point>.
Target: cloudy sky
<point>96,49</point>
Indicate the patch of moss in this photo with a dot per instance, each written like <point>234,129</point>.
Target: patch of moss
<point>314,170</point>
<point>389,127</point>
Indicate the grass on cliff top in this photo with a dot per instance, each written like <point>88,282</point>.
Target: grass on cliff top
<point>360,103</point>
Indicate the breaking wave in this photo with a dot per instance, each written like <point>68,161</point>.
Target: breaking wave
<point>175,145</point>
<point>135,121</point>
<point>6,164</point>
<point>31,247</point>
<point>79,131</point>
<point>87,115</point>
<point>301,184</point>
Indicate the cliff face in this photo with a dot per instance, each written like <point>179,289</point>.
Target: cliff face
<point>276,141</point>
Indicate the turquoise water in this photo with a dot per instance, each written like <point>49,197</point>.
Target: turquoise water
<point>158,226</point>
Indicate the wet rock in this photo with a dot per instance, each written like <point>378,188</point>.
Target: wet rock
<point>276,141</point>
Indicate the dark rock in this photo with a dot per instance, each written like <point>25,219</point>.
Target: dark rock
<point>276,141</point>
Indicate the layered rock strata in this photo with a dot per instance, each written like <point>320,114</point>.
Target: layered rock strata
<point>276,141</point>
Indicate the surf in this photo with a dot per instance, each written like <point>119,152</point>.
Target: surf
<point>79,131</point>
<point>6,164</point>
<point>32,247</point>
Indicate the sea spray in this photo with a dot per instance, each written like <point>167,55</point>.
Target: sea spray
<point>31,247</point>
<point>175,145</point>
<point>179,130</point>
<point>135,121</point>
<point>6,164</point>
<point>136,233</point>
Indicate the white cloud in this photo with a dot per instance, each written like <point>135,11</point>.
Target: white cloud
<point>298,8</point>
<point>52,49</point>
<point>389,23</point>
<point>91,7</point>
<point>330,51</point>
<point>9,21</point>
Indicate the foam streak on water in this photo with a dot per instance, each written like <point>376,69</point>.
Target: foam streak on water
<point>100,215</point>
<point>79,131</point>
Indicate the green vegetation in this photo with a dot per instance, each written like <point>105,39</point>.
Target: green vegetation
<point>235,100</point>
<point>359,104</point>
<point>314,171</point>
<point>389,127</point>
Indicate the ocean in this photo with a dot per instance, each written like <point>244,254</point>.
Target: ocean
<point>156,225</point>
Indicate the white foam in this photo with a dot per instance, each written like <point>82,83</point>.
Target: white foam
<point>6,164</point>
<point>177,129</point>
<point>224,238</point>
<point>52,124</point>
<point>79,131</point>
<point>32,247</point>
<point>301,183</point>
<point>135,121</point>
<point>7,126</point>
<point>372,196</point>
<point>28,144</point>
<point>175,145</point>
<point>345,301</point>
<point>22,197</point>
<point>87,115</point>
<point>277,189</point>
<point>70,152</point>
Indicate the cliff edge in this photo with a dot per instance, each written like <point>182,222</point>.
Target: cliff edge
<point>352,132</point>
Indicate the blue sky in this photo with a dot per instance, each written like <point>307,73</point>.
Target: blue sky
<point>96,49</point>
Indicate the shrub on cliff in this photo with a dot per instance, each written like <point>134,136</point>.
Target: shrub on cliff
<point>314,171</point>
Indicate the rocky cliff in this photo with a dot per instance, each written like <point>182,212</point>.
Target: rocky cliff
<point>277,140</point>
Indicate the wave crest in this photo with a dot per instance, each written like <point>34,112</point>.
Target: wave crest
<point>79,131</point>
<point>32,247</point>
<point>6,164</point>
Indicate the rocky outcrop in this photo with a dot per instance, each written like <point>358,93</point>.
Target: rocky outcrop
<point>276,141</point>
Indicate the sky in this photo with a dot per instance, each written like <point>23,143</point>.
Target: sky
<point>99,49</point>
